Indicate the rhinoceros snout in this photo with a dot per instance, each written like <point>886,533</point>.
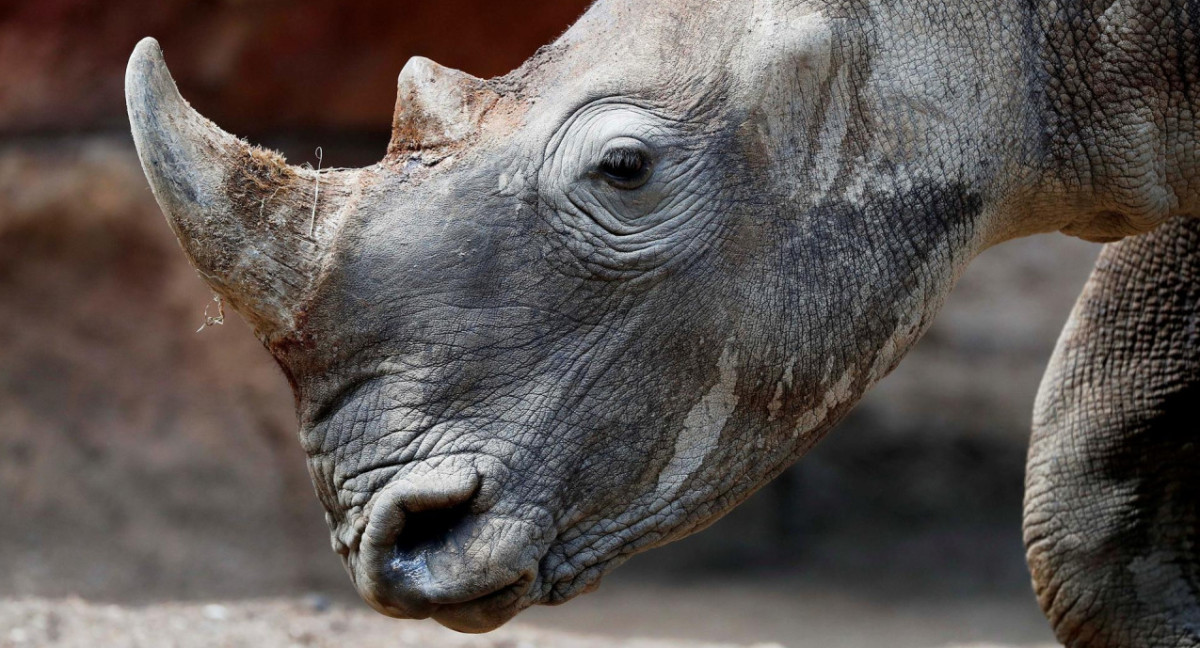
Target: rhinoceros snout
<point>432,549</point>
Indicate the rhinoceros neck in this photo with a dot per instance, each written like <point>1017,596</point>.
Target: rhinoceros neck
<point>1116,83</point>
<point>1085,109</point>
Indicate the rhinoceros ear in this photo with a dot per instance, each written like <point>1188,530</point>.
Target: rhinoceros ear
<point>256,229</point>
<point>436,107</point>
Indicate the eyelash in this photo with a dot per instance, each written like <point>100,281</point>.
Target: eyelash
<point>624,159</point>
<point>624,167</point>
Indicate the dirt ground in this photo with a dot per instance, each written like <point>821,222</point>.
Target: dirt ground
<point>635,610</point>
<point>264,624</point>
<point>312,622</point>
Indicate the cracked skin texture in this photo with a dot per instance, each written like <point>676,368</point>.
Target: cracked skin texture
<point>1112,497</point>
<point>586,308</point>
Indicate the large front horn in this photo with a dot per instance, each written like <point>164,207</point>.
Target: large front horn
<point>256,229</point>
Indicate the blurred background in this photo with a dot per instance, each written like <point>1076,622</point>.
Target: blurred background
<point>143,462</point>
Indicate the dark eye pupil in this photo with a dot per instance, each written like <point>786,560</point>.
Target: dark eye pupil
<point>625,166</point>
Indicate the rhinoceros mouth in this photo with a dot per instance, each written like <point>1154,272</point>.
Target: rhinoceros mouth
<point>487,612</point>
<point>458,605</point>
<point>434,541</point>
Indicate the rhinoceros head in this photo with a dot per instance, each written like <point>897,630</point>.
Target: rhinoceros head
<point>585,309</point>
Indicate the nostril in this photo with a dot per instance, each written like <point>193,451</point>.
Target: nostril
<point>412,514</point>
<point>413,554</point>
<point>431,527</point>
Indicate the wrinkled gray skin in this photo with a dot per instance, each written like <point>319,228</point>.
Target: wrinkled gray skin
<point>1113,497</point>
<point>520,358</point>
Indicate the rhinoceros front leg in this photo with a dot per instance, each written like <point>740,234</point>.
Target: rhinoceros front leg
<point>1113,482</point>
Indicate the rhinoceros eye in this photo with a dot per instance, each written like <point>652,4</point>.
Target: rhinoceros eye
<point>626,163</point>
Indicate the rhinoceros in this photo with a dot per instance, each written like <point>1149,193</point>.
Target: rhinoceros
<point>584,309</point>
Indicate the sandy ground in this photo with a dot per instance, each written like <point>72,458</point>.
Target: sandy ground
<point>260,624</point>
<point>312,622</point>
<point>796,613</point>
